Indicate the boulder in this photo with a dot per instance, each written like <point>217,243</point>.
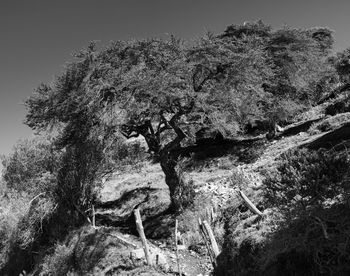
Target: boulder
<point>122,193</point>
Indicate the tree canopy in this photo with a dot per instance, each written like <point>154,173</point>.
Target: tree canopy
<point>167,90</point>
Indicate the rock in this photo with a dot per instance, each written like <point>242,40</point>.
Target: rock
<point>121,194</point>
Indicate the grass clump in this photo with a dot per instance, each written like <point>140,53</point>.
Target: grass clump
<point>203,209</point>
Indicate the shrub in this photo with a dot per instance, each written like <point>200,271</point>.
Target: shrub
<point>30,165</point>
<point>311,190</point>
<point>60,262</point>
<point>23,224</point>
<point>308,179</point>
<point>307,221</point>
<point>13,206</point>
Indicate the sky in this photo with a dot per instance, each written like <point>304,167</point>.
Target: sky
<point>37,37</point>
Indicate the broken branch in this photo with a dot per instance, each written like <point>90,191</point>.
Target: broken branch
<point>250,204</point>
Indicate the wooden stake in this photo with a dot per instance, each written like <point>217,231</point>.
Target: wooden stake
<point>250,204</point>
<point>142,235</point>
<point>204,235</point>
<point>209,232</point>
<point>177,249</point>
<point>93,217</point>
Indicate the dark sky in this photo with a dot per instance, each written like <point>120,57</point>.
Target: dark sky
<point>38,36</point>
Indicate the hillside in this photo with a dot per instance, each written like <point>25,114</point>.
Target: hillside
<point>238,139</point>
<point>216,180</point>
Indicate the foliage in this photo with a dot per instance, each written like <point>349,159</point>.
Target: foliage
<point>309,179</point>
<point>311,192</point>
<point>77,255</point>
<point>31,166</point>
<point>24,220</point>
<point>167,91</point>
<point>342,65</point>
<point>13,206</point>
<point>59,263</point>
<point>258,28</point>
<point>305,224</point>
<point>300,58</point>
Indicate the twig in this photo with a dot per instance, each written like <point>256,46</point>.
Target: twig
<point>177,249</point>
<point>34,198</point>
<point>323,226</point>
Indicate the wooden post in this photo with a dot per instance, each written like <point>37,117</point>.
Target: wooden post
<point>209,232</point>
<point>177,249</point>
<point>93,217</point>
<point>142,235</point>
<point>250,204</point>
<point>202,231</point>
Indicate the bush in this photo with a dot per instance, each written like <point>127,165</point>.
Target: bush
<point>31,165</point>
<point>311,191</point>
<point>13,207</point>
<point>23,222</point>
<point>308,179</point>
<point>60,262</point>
<point>307,220</point>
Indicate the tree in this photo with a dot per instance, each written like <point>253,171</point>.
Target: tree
<point>159,89</point>
<point>167,91</point>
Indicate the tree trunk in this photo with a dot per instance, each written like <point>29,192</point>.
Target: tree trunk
<point>168,162</point>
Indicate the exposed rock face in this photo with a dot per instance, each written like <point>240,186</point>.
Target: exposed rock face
<point>122,193</point>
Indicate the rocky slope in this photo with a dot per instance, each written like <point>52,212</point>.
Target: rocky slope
<point>216,180</point>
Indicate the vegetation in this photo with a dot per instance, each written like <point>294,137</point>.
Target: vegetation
<point>306,223</point>
<point>167,91</point>
<point>178,97</point>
